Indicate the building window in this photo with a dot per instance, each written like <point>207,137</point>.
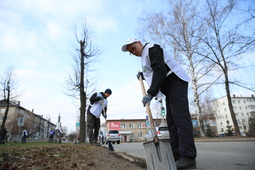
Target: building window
<point>223,103</point>
<point>123,125</point>
<point>238,101</point>
<point>221,123</point>
<point>240,107</point>
<point>131,125</point>
<point>2,110</point>
<point>236,114</point>
<point>242,114</point>
<point>222,130</point>
<point>21,121</point>
<point>244,101</point>
<point>233,101</point>
<point>246,108</point>
<point>247,114</point>
<point>139,134</point>
<point>225,109</point>
<point>139,125</point>
<point>132,136</point>
<point>226,116</point>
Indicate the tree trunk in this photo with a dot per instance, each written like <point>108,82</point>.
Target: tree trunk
<point>7,108</point>
<point>196,98</point>
<point>232,113</point>
<point>82,95</point>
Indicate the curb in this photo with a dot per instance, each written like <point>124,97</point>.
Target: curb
<point>252,139</point>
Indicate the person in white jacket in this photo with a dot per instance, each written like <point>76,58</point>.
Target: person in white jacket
<point>98,106</point>
<point>163,74</point>
<point>24,136</point>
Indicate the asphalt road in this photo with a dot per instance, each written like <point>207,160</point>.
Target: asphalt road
<point>211,155</point>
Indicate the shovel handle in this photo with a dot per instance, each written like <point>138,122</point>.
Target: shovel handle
<point>148,111</point>
<point>102,103</point>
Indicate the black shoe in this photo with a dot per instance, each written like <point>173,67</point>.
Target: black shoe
<point>186,162</point>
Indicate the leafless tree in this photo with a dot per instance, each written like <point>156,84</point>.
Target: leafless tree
<point>8,87</point>
<point>72,136</point>
<point>225,42</point>
<point>77,84</point>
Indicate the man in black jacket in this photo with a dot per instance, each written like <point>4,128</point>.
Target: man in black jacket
<point>98,106</point>
<point>163,74</point>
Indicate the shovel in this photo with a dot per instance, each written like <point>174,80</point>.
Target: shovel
<point>109,142</point>
<point>158,153</point>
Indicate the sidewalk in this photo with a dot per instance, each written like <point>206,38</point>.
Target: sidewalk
<point>224,139</point>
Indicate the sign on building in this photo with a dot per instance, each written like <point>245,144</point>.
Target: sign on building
<point>147,123</point>
<point>195,123</point>
<point>114,126</point>
<point>77,124</point>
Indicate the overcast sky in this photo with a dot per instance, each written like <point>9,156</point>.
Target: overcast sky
<point>36,38</point>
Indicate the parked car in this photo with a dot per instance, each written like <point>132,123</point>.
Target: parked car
<point>163,132</point>
<point>113,136</point>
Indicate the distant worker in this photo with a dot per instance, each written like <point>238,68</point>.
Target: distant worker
<point>163,73</point>
<point>24,136</point>
<point>101,137</point>
<point>59,135</point>
<point>98,106</point>
<point>52,132</point>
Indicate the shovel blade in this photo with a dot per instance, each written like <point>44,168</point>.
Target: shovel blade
<point>159,156</point>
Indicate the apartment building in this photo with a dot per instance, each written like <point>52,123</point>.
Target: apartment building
<point>131,129</point>
<point>20,118</point>
<point>244,108</point>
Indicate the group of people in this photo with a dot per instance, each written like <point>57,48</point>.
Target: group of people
<point>4,136</point>
<point>59,134</point>
<point>164,75</point>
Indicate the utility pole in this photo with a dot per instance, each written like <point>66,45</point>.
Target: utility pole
<point>59,128</point>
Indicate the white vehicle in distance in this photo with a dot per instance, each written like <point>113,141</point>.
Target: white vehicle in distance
<point>161,131</point>
<point>113,136</point>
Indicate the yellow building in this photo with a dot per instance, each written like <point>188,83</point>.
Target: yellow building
<point>131,129</point>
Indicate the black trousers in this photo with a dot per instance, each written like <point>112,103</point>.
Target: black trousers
<point>93,126</point>
<point>178,116</point>
<point>24,139</point>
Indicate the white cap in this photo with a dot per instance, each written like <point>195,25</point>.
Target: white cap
<point>128,41</point>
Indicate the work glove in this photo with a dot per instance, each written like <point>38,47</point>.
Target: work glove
<point>147,99</point>
<point>140,74</point>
